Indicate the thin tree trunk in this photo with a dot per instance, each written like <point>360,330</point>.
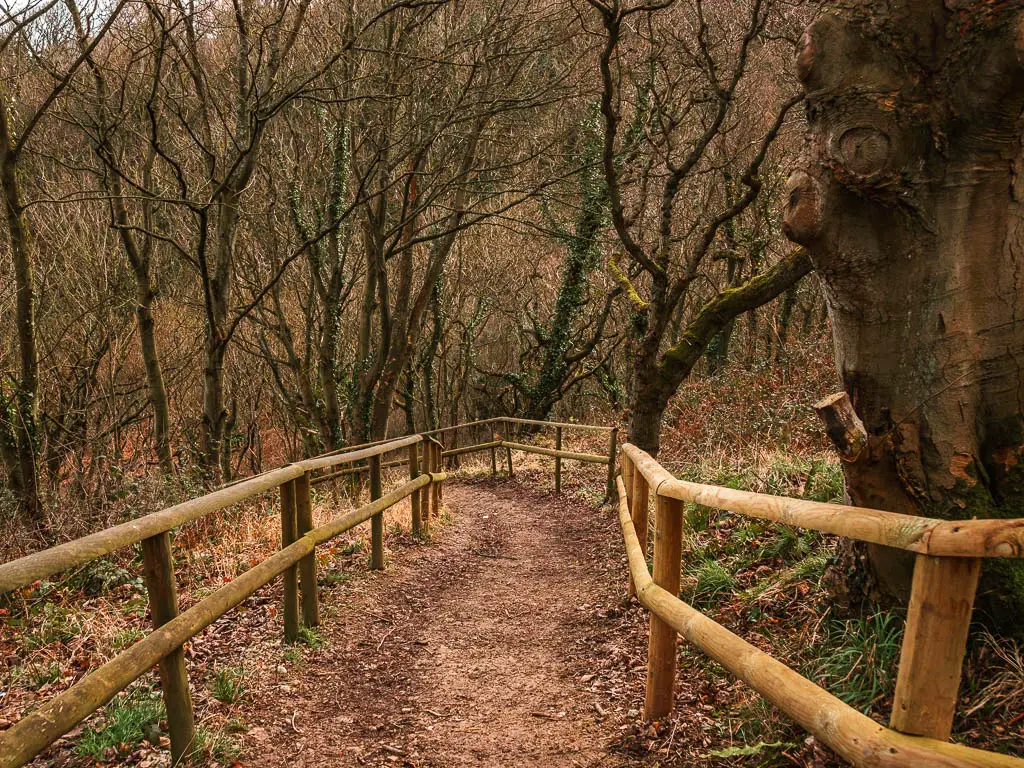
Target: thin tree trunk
<point>145,297</point>
<point>24,405</point>
<point>659,376</point>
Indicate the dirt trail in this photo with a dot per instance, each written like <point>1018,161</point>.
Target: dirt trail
<point>473,650</point>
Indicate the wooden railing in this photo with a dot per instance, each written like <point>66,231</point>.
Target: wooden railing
<point>945,579</point>
<point>295,562</point>
<point>487,429</point>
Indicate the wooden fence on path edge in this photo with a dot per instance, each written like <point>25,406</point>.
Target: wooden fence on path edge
<point>295,563</point>
<point>945,579</point>
<point>942,597</point>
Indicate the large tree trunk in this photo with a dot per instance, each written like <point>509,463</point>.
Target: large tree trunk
<point>910,203</point>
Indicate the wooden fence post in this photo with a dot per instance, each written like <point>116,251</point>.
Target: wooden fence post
<point>377,521</point>
<point>627,480</point>
<point>661,647</point>
<point>426,497</point>
<point>440,468</point>
<point>494,453</point>
<point>307,565</point>
<point>511,473</point>
<point>627,483</point>
<point>639,504</point>
<point>290,577</point>
<point>558,460</point>
<point>934,641</point>
<point>414,472</point>
<point>613,444</point>
<point>158,568</point>
<point>435,488</point>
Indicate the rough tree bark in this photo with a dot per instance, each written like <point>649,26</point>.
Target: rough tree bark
<point>19,418</point>
<point>909,200</point>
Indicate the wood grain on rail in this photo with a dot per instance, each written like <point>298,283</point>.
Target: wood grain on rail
<point>940,538</point>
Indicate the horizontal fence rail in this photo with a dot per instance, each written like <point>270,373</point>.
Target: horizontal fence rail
<point>945,580</point>
<point>940,538</point>
<point>26,570</point>
<point>493,445</point>
<point>584,457</point>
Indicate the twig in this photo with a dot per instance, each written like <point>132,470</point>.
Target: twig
<point>386,636</point>
<point>546,715</point>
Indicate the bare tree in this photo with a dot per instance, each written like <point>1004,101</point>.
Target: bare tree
<point>655,169</point>
<point>437,171</point>
<point>19,401</point>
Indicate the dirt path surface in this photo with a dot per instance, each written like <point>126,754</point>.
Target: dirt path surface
<point>478,649</point>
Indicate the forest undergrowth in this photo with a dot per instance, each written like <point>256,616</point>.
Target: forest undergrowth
<point>752,428</point>
<point>749,428</point>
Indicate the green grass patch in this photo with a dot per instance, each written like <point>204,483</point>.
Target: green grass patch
<point>105,574</point>
<point>337,577</point>
<point>311,638</point>
<point>352,547</point>
<point>710,579</point>
<point>751,750</point>
<point>218,745</point>
<point>858,659</point>
<point>58,624</point>
<point>126,637</point>
<point>697,518</point>
<point>127,721</point>
<point>229,685</point>
<point>42,674</point>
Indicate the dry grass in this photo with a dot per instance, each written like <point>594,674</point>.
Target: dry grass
<point>59,630</point>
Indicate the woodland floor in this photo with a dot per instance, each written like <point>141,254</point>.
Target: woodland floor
<point>486,647</point>
<point>506,639</point>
